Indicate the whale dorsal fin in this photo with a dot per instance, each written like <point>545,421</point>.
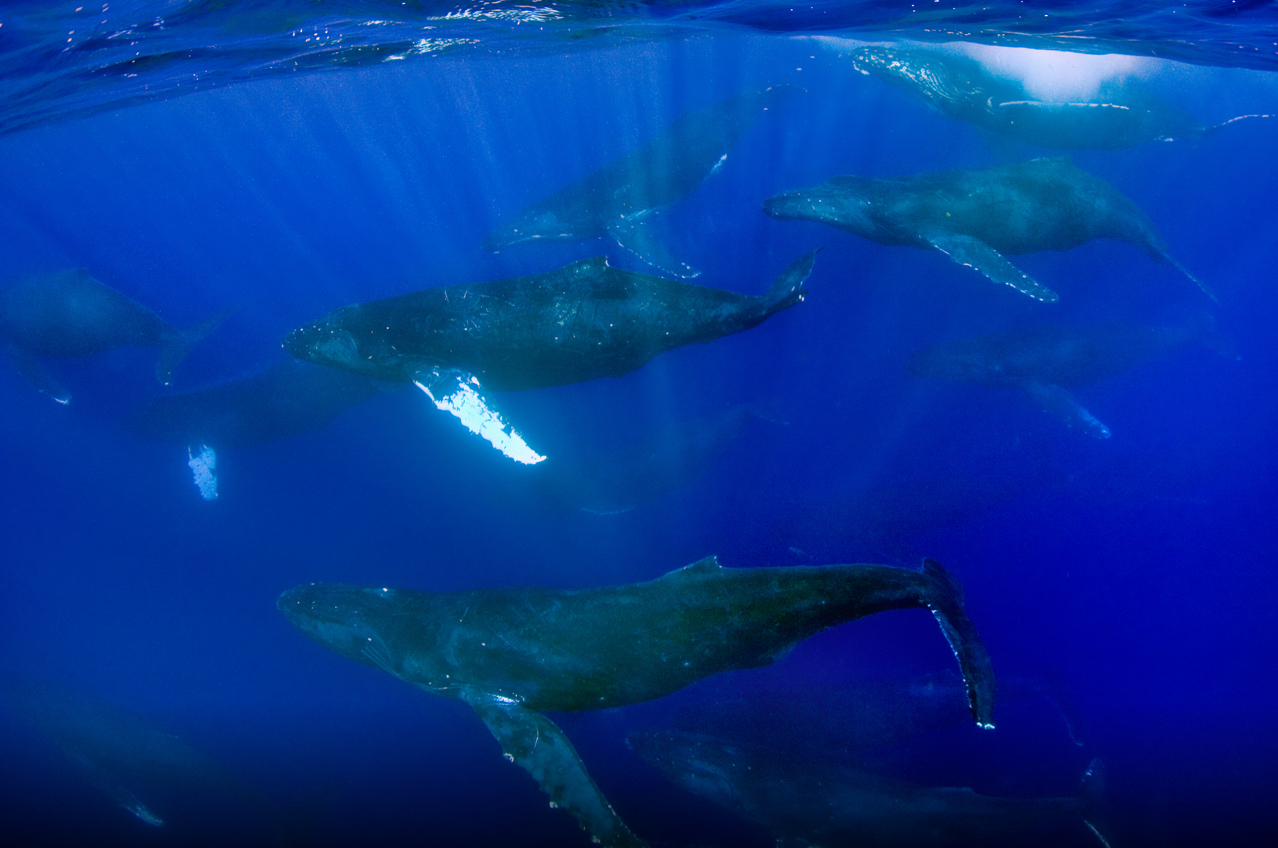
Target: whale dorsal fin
<point>539,747</point>
<point>707,565</point>
<point>979,256</point>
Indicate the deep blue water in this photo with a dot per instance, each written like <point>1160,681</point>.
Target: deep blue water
<point>1137,568</point>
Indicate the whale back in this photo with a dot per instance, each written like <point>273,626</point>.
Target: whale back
<point>575,649</point>
<point>70,314</point>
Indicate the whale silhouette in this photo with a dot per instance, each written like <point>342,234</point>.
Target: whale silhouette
<point>512,653</point>
<point>962,88</point>
<point>621,199</point>
<point>815,803</point>
<point>70,314</point>
<point>975,215</point>
<point>1046,361</point>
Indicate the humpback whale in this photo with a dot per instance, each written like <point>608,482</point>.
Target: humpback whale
<point>512,653</point>
<point>962,88</point>
<point>621,199</point>
<point>975,215</point>
<point>287,399</point>
<point>580,322</point>
<point>833,806</point>
<point>114,748</point>
<point>1046,361</point>
<point>70,314</point>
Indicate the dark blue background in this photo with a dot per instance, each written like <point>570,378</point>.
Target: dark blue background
<point>1141,566</point>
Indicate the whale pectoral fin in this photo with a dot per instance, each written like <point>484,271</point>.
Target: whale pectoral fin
<point>642,237</point>
<point>1066,407</point>
<point>33,370</point>
<point>110,784</point>
<point>459,394</point>
<point>539,747</point>
<point>978,255</point>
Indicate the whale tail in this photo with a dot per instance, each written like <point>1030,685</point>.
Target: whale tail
<point>179,344</point>
<point>1207,132</point>
<point>946,603</point>
<point>787,289</point>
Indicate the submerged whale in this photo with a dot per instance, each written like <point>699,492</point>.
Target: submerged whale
<point>581,322</point>
<point>962,88</point>
<point>1046,361</point>
<point>115,749</point>
<point>288,399</point>
<point>70,314</point>
<point>621,198</point>
<point>975,215</point>
<point>813,803</point>
<point>513,653</point>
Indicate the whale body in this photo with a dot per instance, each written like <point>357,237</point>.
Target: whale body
<point>814,803</point>
<point>1046,361</point>
<point>69,314</point>
<point>961,87</point>
<point>975,215</point>
<point>620,199</point>
<point>511,653</point>
<point>581,322</point>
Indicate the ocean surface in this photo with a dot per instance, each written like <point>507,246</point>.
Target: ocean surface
<point>276,161</point>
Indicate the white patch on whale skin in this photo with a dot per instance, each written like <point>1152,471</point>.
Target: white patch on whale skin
<point>204,470</point>
<point>458,394</point>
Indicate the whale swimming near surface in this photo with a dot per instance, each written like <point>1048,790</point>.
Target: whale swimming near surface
<point>285,400</point>
<point>116,749</point>
<point>815,803</point>
<point>70,314</point>
<point>512,653</point>
<point>581,322</point>
<point>621,199</point>
<point>1047,361</point>
<point>961,87</point>
<point>975,215</point>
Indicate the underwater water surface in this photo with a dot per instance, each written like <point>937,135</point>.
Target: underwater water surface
<point>1121,584</point>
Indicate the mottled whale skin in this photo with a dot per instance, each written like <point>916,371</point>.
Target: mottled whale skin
<point>819,803</point>
<point>975,215</point>
<point>581,322</point>
<point>115,749</point>
<point>962,88</point>
<point>620,199</point>
<point>70,314</point>
<point>1046,361</point>
<point>513,652</point>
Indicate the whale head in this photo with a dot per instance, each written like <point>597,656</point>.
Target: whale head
<point>700,764</point>
<point>844,202</point>
<point>327,342</point>
<point>942,78</point>
<point>346,619</point>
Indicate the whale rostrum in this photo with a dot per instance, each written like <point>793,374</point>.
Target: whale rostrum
<point>512,653</point>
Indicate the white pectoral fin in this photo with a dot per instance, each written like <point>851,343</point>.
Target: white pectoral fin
<point>459,393</point>
<point>1066,407</point>
<point>539,747</point>
<point>979,256</point>
<point>641,235</point>
<point>203,462</point>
